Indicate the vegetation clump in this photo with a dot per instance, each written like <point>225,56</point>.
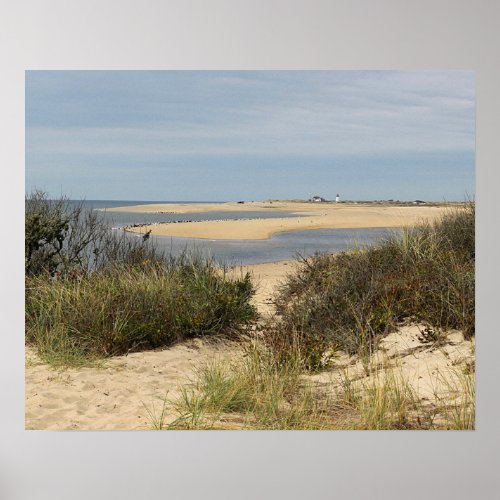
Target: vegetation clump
<point>132,308</point>
<point>91,294</point>
<point>64,238</point>
<point>347,301</point>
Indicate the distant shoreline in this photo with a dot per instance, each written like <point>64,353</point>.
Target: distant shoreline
<point>310,216</point>
<point>243,206</point>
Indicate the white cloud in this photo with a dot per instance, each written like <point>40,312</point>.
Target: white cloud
<point>326,114</point>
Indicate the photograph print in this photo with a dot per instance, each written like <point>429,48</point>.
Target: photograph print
<point>250,250</point>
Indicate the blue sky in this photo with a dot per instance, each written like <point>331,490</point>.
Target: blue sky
<point>251,135</point>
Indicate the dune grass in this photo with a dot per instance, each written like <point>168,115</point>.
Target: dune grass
<point>458,405</point>
<point>254,392</point>
<point>133,307</point>
<point>92,293</point>
<point>349,300</point>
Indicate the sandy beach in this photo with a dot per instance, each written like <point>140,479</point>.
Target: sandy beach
<point>127,390</point>
<point>309,216</point>
<point>120,394</point>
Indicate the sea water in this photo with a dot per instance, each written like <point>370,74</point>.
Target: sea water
<point>281,246</point>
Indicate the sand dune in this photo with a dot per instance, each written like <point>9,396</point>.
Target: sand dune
<point>115,396</point>
<point>121,394</point>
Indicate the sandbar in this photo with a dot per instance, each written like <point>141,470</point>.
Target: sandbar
<point>309,216</point>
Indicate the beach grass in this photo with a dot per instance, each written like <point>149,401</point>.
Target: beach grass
<point>252,393</point>
<point>91,294</point>
<point>256,393</point>
<point>133,307</point>
<point>350,300</point>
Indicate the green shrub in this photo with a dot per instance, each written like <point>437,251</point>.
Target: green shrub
<point>91,293</point>
<point>66,238</point>
<point>46,228</point>
<point>349,300</point>
<point>133,307</point>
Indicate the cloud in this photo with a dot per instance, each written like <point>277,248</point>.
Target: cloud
<point>118,117</point>
<point>359,113</point>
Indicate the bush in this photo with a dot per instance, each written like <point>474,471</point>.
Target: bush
<point>46,228</point>
<point>349,300</point>
<point>66,238</point>
<point>133,307</point>
<point>91,293</point>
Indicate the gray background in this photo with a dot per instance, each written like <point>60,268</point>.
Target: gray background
<point>271,34</point>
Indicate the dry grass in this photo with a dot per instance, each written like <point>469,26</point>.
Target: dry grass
<point>257,393</point>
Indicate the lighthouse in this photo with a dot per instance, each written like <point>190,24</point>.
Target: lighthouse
<point>337,198</point>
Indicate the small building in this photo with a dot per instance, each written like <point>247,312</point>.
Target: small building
<point>317,199</point>
<point>337,198</point>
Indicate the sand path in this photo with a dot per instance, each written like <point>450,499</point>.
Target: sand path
<point>118,395</point>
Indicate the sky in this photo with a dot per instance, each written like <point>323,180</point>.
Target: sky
<point>251,135</point>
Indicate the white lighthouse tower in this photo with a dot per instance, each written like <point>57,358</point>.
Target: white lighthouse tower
<point>337,198</point>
